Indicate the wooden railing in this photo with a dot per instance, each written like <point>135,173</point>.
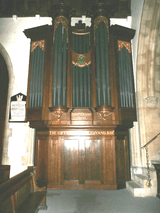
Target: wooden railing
<point>148,183</point>
<point>150,141</point>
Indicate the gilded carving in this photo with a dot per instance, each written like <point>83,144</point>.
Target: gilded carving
<point>81,60</point>
<point>58,114</point>
<point>80,33</point>
<point>104,111</point>
<point>98,20</point>
<point>81,114</point>
<point>125,44</point>
<point>37,43</point>
<point>111,133</point>
<point>65,23</point>
<point>104,114</point>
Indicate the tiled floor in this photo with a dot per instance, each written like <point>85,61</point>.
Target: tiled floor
<point>96,201</point>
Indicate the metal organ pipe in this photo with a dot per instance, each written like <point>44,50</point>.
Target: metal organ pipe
<point>98,73</point>
<point>81,75</point>
<point>36,78</point>
<point>59,69</point>
<point>39,77</point>
<point>64,57</point>
<point>101,33</point>
<point>31,81</point>
<point>102,65</point>
<point>77,75</point>
<point>80,70</point>
<point>130,79</point>
<point>85,72</point>
<point>73,76</point>
<point>107,66</point>
<point>55,70</point>
<point>42,78</point>
<point>126,90</point>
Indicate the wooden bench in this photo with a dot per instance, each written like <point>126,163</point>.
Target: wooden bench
<point>4,173</point>
<point>20,194</point>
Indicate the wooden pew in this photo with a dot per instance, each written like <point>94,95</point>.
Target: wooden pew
<point>20,194</point>
<point>4,173</point>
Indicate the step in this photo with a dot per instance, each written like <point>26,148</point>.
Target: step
<point>132,186</point>
<point>141,179</point>
<point>138,191</point>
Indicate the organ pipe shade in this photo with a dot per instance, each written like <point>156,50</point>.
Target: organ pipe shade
<point>59,86</point>
<point>81,76</point>
<point>103,94</point>
<point>125,75</point>
<point>36,75</point>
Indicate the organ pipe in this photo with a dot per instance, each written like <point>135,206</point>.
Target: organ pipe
<point>60,67</point>
<point>36,79</point>
<point>126,90</point>
<point>102,65</point>
<point>81,86</point>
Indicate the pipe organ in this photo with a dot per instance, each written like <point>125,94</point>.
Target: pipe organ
<point>81,101</point>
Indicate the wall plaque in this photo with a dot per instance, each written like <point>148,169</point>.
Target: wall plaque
<point>17,107</point>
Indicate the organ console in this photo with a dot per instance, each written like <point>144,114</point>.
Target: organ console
<point>81,101</point>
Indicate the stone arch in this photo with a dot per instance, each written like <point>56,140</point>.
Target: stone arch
<point>9,83</point>
<point>148,108</point>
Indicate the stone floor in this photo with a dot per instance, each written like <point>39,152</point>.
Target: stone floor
<point>96,201</point>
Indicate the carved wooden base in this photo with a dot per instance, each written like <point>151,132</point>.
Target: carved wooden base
<point>99,160</point>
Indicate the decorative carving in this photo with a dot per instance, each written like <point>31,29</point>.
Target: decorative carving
<point>98,20</point>
<point>111,133</point>
<point>58,114</point>
<point>104,111</point>
<point>58,111</point>
<point>81,114</point>
<point>125,44</point>
<point>104,115</point>
<point>80,33</point>
<point>152,101</point>
<point>34,184</point>
<point>37,43</point>
<point>81,60</point>
<point>65,23</point>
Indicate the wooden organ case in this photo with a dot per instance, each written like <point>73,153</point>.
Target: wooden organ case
<point>81,102</point>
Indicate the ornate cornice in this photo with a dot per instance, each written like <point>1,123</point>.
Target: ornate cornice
<point>65,23</point>
<point>125,44</point>
<point>41,44</point>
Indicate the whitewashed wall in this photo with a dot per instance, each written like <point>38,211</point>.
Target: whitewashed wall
<point>15,47</point>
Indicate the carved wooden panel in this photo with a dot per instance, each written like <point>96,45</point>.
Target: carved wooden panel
<point>41,157</point>
<point>127,164</point>
<point>54,161</point>
<point>109,167</point>
<point>92,159</point>
<point>70,153</point>
<point>84,162</point>
<point>81,159</point>
<point>120,163</point>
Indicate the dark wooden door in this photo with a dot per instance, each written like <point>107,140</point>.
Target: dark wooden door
<point>81,160</point>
